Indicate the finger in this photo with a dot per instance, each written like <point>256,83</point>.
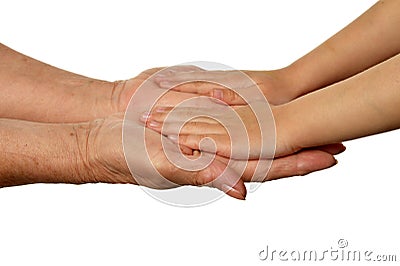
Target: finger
<point>216,175</point>
<point>186,150</point>
<point>199,87</point>
<point>212,90</point>
<point>158,114</point>
<point>190,128</point>
<point>210,143</point>
<point>219,176</point>
<point>169,71</point>
<point>173,98</point>
<point>301,163</point>
<point>179,114</point>
<point>206,83</point>
<point>333,149</point>
<point>216,91</point>
<point>231,184</point>
<point>174,79</point>
<point>177,122</point>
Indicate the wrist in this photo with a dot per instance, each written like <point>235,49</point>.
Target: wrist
<point>293,80</point>
<point>96,98</point>
<point>279,86</point>
<point>99,152</point>
<point>288,133</point>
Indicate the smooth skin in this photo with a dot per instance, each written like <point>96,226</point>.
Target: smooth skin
<point>60,127</point>
<point>364,104</point>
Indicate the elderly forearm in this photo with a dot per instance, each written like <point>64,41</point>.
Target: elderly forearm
<point>363,105</point>
<point>35,91</point>
<point>369,40</point>
<point>39,153</point>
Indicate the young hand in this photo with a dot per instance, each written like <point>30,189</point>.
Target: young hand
<point>236,131</point>
<point>278,85</point>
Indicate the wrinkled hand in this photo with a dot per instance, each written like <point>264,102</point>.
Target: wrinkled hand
<point>101,144</point>
<point>108,159</point>
<point>102,150</point>
<point>124,90</point>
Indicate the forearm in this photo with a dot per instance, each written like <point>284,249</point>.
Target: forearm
<point>78,153</point>
<point>35,91</point>
<point>365,104</point>
<point>36,152</point>
<point>369,40</point>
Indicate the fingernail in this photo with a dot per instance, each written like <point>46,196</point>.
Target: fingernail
<point>145,116</point>
<point>217,101</point>
<point>219,94</point>
<point>160,110</point>
<point>165,84</point>
<point>233,192</point>
<point>154,124</point>
<point>173,138</point>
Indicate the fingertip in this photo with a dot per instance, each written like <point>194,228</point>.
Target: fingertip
<point>343,148</point>
<point>233,187</point>
<point>144,117</point>
<point>311,161</point>
<point>333,149</point>
<point>226,180</point>
<point>234,193</point>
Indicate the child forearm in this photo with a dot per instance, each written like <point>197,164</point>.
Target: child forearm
<point>365,104</point>
<point>369,40</point>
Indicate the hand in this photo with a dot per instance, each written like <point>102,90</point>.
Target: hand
<point>313,159</point>
<point>100,146</point>
<point>192,133</point>
<point>102,151</point>
<point>220,123</point>
<point>102,143</point>
<point>277,85</point>
<point>123,90</point>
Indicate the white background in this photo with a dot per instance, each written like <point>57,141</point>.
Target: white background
<point>119,224</point>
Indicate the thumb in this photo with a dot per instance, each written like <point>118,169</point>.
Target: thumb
<point>225,179</point>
